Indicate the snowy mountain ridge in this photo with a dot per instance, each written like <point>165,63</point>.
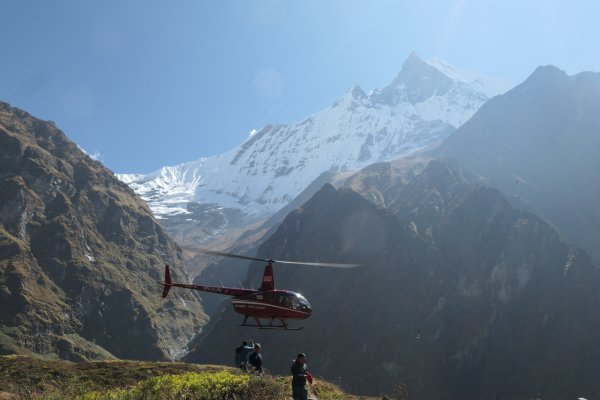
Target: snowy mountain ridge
<point>425,102</point>
<point>487,85</point>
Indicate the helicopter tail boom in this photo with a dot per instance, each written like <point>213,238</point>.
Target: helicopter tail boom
<point>168,284</point>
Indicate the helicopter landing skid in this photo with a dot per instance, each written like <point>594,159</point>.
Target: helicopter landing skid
<point>284,325</point>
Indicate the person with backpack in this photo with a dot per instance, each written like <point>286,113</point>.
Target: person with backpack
<point>300,376</point>
<point>241,355</point>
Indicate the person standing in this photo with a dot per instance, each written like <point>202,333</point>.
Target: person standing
<point>241,355</point>
<point>300,375</point>
<point>255,359</point>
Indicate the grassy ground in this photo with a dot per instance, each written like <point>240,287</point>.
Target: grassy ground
<point>27,378</point>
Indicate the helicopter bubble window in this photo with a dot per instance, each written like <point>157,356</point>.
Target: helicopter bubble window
<point>292,300</point>
<point>302,301</point>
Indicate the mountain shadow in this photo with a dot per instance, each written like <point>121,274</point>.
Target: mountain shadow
<point>460,295</point>
<point>540,144</point>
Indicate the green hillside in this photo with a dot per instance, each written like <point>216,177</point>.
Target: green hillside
<point>28,378</point>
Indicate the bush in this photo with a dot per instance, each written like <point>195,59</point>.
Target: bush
<point>223,385</point>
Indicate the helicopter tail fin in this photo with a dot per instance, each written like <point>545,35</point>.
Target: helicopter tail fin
<point>167,282</point>
<point>268,282</point>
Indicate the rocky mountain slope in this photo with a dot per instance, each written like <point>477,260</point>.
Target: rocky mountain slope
<point>540,145</point>
<point>80,255</point>
<point>426,102</point>
<point>460,295</point>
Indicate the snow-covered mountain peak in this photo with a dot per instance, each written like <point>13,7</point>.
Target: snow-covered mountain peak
<point>425,102</point>
<point>356,92</point>
<point>353,96</point>
<point>417,80</point>
<point>420,79</point>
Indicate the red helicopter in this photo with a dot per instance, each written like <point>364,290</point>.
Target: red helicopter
<point>264,303</point>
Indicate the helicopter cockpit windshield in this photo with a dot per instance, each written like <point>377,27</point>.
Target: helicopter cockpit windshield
<point>304,305</point>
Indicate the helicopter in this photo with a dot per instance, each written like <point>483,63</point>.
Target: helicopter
<point>271,306</point>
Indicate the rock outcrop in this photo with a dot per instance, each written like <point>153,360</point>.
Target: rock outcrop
<point>80,255</point>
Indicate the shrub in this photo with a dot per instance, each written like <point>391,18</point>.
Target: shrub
<point>223,385</point>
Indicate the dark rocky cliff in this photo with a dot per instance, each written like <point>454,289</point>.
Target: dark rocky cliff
<point>540,144</point>
<point>460,294</point>
<point>80,255</point>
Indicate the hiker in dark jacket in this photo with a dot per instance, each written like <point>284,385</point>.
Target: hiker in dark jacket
<point>241,354</point>
<point>300,375</point>
<point>255,359</point>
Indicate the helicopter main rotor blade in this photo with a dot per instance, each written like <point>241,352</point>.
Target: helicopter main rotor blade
<point>315,264</point>
<point>220,253</point>
<point>319,264</point>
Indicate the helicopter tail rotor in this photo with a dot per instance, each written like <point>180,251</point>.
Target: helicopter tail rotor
<point>167,282</point>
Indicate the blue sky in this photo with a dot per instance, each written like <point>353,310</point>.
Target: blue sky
<point>150,83</point>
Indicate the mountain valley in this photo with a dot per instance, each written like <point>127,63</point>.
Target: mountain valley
<point>470,206</point>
